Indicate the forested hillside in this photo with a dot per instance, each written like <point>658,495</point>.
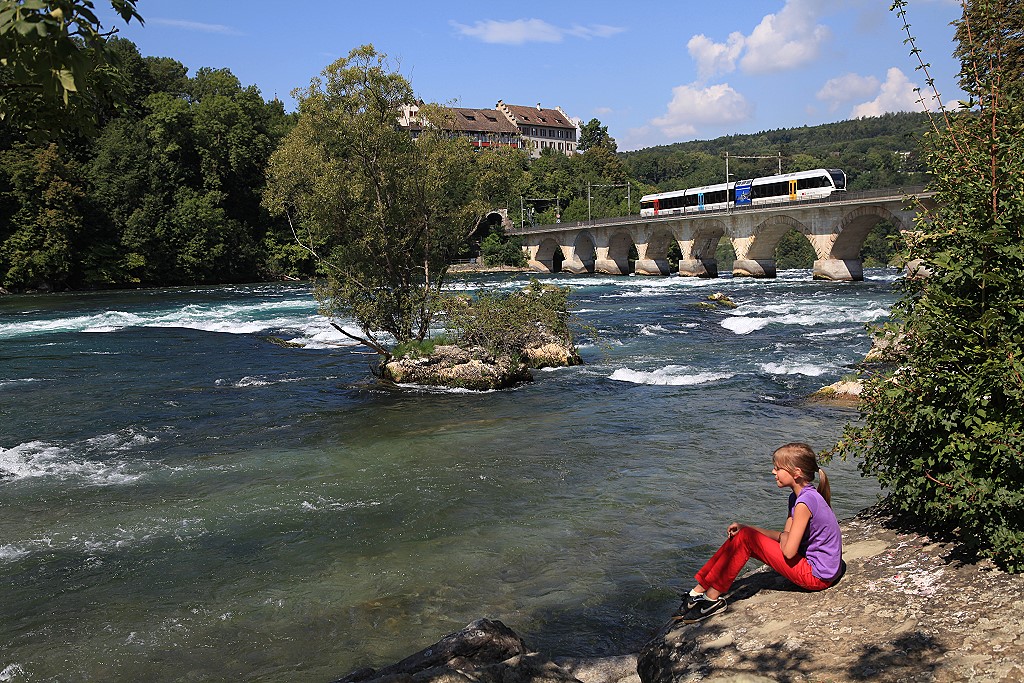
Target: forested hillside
<point>875,152</point>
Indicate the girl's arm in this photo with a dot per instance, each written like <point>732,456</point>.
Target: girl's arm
<point>796,526</point>
<point>770,533</point>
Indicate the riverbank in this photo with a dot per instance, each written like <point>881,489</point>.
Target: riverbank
<point>481,268</point>
<point>909,608</point>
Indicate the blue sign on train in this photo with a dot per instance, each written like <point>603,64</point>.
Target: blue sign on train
<point>743,193</point>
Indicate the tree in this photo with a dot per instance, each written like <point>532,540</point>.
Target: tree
<point>382,213</point>
<point>944,432</point>
<point>593,134</point>
<point>36,252</point>
<point>55,64</point>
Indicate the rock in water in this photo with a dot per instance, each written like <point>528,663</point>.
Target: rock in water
<point>485,652</point>
<point>453,366</point>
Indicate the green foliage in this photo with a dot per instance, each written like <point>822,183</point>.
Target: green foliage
<point>593,134</point>
<point>167,192</point>
<point>794,251</point>
<point>55,66</point>
<point>725,256</point>
<point>36,241</point>
<point>883,246</point>
<point>383,214</point>
<point>944,431</point>
<point>508,322</point>
<point>419,348</point>
<point>499,249</point>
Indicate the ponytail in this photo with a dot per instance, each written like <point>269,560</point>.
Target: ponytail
<point>823,487</point>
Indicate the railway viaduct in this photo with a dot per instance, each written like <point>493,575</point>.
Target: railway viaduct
<point>835,226</point>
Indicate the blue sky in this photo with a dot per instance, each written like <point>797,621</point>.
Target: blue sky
<point>653,72</point>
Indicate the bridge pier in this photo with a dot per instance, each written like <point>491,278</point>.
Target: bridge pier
<point>839,270</point>
<point>607,266</point>
<point>650,266</point>
<point>542,265</point>
<point>762,267</point>
<point>577,266</point>
<point>698,267</point>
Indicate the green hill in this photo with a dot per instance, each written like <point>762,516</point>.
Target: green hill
<point>876,152</point>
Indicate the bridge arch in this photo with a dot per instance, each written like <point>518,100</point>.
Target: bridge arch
<point>837,230</point>
<point>613,257</point>
<point>855,227</point>
<point>755,255</point>
<point>547,256</point>
<point>581,256</point>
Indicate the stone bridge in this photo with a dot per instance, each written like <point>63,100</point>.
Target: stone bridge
<point>835,226</point>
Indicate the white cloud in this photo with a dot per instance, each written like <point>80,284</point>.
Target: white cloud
<point>715,58</point>
<point>594,31</point>
<point>602,110</point>
<point>195,26</point>
<point>786,40</point>
<point>523,31</point>
<point>897,94</point>
<point>693,106</point>
<point>847,88</point>
<point>781,41</point>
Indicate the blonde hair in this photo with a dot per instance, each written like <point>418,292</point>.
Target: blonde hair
<point>798,455</point>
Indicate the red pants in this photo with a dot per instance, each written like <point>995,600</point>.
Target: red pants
<point>724,566</point>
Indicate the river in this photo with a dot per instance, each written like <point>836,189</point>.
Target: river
<point>182,499</point>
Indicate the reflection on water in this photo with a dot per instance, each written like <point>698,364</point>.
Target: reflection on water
<point>181,495</point>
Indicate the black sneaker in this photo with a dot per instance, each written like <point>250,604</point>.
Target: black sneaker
<point>690,600</point>
<point>702,609</point>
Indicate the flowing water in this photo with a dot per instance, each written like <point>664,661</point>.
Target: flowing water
<point>182,499</point>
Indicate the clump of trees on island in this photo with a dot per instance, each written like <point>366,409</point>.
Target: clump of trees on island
<point>169,192</point>
<point>384,215</point>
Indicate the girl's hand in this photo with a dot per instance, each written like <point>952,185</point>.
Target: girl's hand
<point>733,529</point>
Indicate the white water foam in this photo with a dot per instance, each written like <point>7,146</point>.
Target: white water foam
<point>10,671</point>
<point>671,375</point>
<point>10,553</point>
<point>653,330</point>
<point>793,369</point>
<point>68,463</point>
<point>744,325</point>
<point>15,382</point>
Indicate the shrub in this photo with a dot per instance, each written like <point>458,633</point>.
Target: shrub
<point>944,431</point>
<point>508,322</point>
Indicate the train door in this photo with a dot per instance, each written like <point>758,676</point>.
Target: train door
<point>743,193</point>
<point>792,190</point>
<point>656,207</point>
<point>700,201</point>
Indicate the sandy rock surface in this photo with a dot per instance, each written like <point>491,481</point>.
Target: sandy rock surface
<point>907,609</point>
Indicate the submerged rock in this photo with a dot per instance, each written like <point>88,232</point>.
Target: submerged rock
<point>715,301</point>
<point>485,651</point>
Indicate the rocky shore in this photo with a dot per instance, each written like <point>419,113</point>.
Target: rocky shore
<point>910,607</point>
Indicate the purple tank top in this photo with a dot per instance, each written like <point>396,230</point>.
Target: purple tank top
<point>822,543</point>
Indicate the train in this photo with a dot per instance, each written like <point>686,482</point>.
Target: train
<point>787,187</point>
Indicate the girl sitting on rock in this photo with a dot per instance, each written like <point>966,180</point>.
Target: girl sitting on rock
<point>808,551</point>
